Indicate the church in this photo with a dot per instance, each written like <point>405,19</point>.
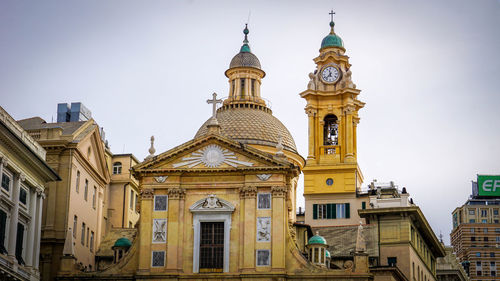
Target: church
<point>223,205</point>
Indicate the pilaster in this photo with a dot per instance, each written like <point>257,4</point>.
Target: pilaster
<point>278,228</point>
<point>31,228</point>
<point>14,219</point>
<point>38,232</point>
<point>175,195</point>
<point>248,195</point>
<point>145,226</point>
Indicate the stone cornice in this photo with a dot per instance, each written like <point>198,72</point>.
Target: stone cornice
<point>248,192</point>
<point>176,193</point>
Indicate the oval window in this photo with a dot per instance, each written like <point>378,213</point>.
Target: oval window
<point>329,181</point>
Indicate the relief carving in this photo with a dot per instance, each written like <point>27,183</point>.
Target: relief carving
<point>177,193</point>
<point>147,193</point>
<point>278,191</point>
<point>248,192</point>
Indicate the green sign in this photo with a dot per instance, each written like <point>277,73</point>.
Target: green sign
<point>488,185</point>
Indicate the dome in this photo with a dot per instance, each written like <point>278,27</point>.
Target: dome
<point>245,59</point>
<point>332,39</point>
<point>123,242</point>
<point>251,126</point>
<point>316,239</point>
<point>327,254</point>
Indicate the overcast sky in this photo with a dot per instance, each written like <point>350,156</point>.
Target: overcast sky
<point>429,72</point>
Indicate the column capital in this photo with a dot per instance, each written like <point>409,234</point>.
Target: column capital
<point>147,193</point>
<point>4,161</point>
<point>349,109</point>
<point>177,193</point>
<point>311,112</point>
<point>22,177</point>
<point>248,192</point>
<point>278,191</point>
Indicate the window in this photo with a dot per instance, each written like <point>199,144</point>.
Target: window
<point>495,212</point>
<point>473,239</point>
<point>88,234</point>
<point>161,202</point>
<point>19,243</point>
<point>497,230</point>
<point>6,181</point>
<point>478,254</point>
<point>94,197</point>
<point>117,168</point>
<point>242,84</point>
<point>472,221</point>
<point>472,230</point>
<point>484,221</point>
<point>493,273</point>
<point>492,263</point>
<point>83,234</point>
<point>136,201</point>
<point>485,230</point>
<point>479,273</point>
<point>264,201</point>
<point>253,86</point>
<point>211,245</point>
<point>75,222</point>
<point>158,259</point>
<point>484,213</point>
<point>23,196</point>
<point>478,263</point>
<point>86,191</point>
<point>363,205</point>
<point>130,224</point>
<point>492,255</point>
<point>263,257</point>
<point>485,239</point>
<point>131,200</point>
<point>472,212</point>
<point>392,261</point>
<point>331,211</point>
<point>3,229</point>
<point>91,241</point>
<point>77,185</point>
<point>330,131</point>
<point>498,238</point>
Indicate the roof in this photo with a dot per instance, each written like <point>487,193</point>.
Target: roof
<point>107,243</point>
<point>416,215</point>
<point>342,239</point>
<point>37,123</point>
<point>317,239</point>
<point>123,242</point>
<point>245,59</point>
<point>251,126</point>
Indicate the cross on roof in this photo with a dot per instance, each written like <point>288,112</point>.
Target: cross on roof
<point>214,101</point>
<point>331,14</point>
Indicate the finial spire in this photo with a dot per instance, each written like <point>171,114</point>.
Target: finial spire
<point>245,48</point>
<point>332,23</point>
<point>152,149</point>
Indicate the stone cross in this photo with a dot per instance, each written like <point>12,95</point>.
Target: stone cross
<point>214,101</point>
<point>331,14</point>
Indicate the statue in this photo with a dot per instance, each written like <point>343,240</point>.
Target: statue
<point>312,83</point>
<point>360,240</point>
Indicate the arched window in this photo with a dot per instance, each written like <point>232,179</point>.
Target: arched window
<point>330,131</point>
<point>117,168</point>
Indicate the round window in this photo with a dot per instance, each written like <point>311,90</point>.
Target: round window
<point>329,181</point>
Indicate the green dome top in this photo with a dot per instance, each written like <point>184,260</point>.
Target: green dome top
<point>123,242</point>
<point>332,39</point>
<point>317,239</point>
<point>245,48</point>
<point>327,254</point>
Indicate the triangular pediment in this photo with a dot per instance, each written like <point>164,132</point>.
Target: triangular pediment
<point>212,152</point>
<point>91,148</point>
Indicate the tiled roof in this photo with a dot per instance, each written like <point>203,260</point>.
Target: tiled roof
<point>37,123</point>
<point>105,249</point>
<point>251,126</point>
<point>341,240</point>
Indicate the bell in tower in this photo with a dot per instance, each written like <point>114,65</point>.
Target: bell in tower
<point>332,176</point>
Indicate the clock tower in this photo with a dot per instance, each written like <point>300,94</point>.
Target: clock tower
<point>332,177</point>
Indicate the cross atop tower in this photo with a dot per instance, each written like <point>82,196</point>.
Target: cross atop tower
<point>214,101</point>
<point>331,13</point>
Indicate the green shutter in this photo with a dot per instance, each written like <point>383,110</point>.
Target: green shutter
<point>328,210</point>
<point>315,211</point>
<point>347,210</point>
<point>334,211</point>
<point>363,205</point>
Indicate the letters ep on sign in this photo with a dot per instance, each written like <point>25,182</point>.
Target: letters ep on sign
<point>488,185</point>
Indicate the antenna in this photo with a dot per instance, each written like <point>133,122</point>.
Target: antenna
<point>249,13</point>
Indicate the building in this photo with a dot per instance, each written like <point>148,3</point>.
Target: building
<point>449,267</point>
<point>332,177</point>
<point>24,174</point>
<point>97,192</point>
<point>476,230</point>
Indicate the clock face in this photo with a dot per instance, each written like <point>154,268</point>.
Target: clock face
<point>330,74</point>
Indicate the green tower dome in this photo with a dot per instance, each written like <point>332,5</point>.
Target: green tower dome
<point>123,242</point>
<point>332,39</point>
<point>317,239</point>
<point>328,254</point>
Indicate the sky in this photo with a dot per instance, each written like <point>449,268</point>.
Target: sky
<point>429,72</point>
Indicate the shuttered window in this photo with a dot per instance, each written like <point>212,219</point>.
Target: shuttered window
<point>19,243</point>
<point>331,211</point>
<point>3,228</point>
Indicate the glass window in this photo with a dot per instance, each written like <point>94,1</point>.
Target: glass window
<point>485,230</point>
<point>117,168</point>
<point>322,211</point>
<point>264,201</point>
<point>472,212</point>
<point>94,197</point>
<point>136,201</point>
<point>484,213</point>
<point>77,184</point>
<point>3,228</point>
<point>75,222</point>
<point>484,221</point>
<point>495,212</point>
<point>478,254</point>
<point>131,200</point>
<point>472,221</point>
<point>161,202</point>
<point>23,196</point>
<point>91,241</point>
<point>492,254</point>
<point>88,234</point>
<point>158,258</point>
<point>82,240</point>
<point>6,182</point>
<point>340,211</point>
<point>19,243</point>
<point>473,239</point>
<point>86,191</point>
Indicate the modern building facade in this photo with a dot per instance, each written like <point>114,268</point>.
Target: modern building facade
<point>24,174</point>
<point>476,234</point>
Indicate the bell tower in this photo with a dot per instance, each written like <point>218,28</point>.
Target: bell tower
<point>332,176</point>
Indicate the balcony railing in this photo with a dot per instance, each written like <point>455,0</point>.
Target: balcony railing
<point>329,149</point>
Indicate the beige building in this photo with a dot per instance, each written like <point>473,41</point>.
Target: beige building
<point>24,174</point>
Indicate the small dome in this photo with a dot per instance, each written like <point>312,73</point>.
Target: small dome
<point>317,239</point>
<point>245,59</point>
<point>332,39</point>
<point>328,254</point>
<point>123,242</point>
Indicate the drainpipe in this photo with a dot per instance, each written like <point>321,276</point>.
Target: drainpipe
<point>123,206</point>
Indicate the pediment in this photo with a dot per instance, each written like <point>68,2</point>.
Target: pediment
<point>212,204</point>
<point>212,152</point>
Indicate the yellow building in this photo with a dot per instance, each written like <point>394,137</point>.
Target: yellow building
<point>332,176</point>
<point>23,174</point>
